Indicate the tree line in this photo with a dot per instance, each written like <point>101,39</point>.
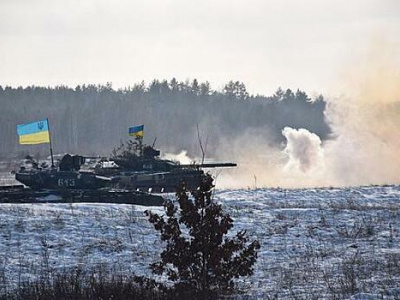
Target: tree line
<point>93,119</point>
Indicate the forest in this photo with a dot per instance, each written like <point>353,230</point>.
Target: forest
<point>94,119</point>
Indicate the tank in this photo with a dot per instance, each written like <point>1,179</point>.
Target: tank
<point>138,167</point>
<point>68,183</point>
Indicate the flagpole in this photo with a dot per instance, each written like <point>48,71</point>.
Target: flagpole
<point>51,146</point>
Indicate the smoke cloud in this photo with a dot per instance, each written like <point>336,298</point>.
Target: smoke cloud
<point>367,122</point>
<point>181,157</point>
<point>303,149</point>
<point>297,163</point>
<point>363,150</point>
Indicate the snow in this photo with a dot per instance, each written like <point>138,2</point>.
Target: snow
<point>313,241</point>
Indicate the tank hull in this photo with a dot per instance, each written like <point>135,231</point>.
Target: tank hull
<point>53,179</point>
<point>159,182</point>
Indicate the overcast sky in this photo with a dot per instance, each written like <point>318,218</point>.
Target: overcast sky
<point>264,43</point>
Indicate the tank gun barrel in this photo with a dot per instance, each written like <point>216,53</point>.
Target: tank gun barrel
<point>209,165</point>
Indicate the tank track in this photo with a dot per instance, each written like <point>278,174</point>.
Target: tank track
<point>20,194</point>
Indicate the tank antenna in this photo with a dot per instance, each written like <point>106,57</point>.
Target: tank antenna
<point>203,148</point>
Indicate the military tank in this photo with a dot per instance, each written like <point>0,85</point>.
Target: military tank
<point>67,183</point>
<point>139,167</point>
<point>134,174</point>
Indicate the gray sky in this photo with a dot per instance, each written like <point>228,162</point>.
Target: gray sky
<point>264,43</point>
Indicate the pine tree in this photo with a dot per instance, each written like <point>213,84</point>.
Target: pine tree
<point>199,257</point>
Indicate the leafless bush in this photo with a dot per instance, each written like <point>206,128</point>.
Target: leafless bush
<point>362,228</point>
<point>3,278</point>
<point>391,264</point>
<point>281,229</point>
<point>59,222</point>
<point>46,271</point>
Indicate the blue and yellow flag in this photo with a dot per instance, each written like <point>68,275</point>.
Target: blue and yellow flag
<point>34,133</point>
<point>136,131</point>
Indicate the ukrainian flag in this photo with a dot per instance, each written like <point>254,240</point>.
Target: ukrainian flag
<point>136,131</point>
<point>34,133</point>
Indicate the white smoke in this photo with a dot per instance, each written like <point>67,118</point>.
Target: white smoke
<point>365,143</point>
<point>303,149</point>
<point>367,122</point>
<point>181,157</point>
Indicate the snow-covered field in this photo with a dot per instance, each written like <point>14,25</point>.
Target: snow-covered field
<point>315,243</point>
